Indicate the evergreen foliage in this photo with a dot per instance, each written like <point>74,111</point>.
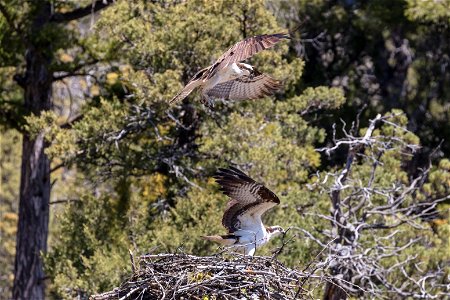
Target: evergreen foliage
<point>9,187</point>
<point>384,54</point>
<point>132,173</point>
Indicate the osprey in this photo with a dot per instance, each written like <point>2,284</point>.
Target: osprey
<point>242,217</point>
<point>229,79</point>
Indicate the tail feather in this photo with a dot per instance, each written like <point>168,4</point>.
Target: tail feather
<point>180,96</point>
<point>226,240</point>
<point>192,84</point>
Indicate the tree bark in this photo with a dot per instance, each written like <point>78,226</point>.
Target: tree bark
<point>32,230</point>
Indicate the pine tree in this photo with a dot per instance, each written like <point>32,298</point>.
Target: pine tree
<point>31,32</point>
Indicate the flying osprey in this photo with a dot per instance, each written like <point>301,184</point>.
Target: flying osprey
<point>229,79</point>
<point>242,217</point>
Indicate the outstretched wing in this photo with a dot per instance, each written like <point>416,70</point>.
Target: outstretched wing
<point>195,81</point>
<point>245,87</point>
<point>245,49</point>
<point>250,199</point>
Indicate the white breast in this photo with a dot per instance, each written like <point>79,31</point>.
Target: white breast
<point>252,236</point>
<point>228,73</point>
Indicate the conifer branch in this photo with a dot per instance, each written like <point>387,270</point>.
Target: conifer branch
<point>64,201</point>
<point>80,12</point>
<point>75,74</point>
<point>8,17</point>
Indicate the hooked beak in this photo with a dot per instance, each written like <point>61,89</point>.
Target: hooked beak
<point>284,232</point>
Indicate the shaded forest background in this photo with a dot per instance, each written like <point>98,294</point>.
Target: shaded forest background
<point>129,172</point>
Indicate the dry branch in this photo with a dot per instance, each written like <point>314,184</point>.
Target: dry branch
<point>367,217</point>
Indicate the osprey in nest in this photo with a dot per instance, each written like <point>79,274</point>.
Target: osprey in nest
<point>242,217</point>
<point>229,79</point>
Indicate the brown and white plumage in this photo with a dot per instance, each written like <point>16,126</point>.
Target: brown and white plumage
<point>246,49</point>
<point>242,217</point>
<point>254,86</point>
<point>245,80</point>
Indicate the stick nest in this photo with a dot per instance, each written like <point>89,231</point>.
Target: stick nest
<point>181,276</point>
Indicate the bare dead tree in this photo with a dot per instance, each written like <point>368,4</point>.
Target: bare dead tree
<point>368,218</point>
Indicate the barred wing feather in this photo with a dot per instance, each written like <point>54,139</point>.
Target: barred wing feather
<point>245,87</point>
<point>249,199</point>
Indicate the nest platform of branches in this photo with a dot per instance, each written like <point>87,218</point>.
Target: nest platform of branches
<point>181,276</point>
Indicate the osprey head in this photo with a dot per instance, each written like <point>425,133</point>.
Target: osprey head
<point>246,72</point>
<point>275,230</point>
<point>246,69</point>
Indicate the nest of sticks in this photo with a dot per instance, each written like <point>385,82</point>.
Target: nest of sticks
<point>182,276</point>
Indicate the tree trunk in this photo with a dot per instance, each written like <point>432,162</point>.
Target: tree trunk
<point>32,229</point>
<point>33,220</point>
